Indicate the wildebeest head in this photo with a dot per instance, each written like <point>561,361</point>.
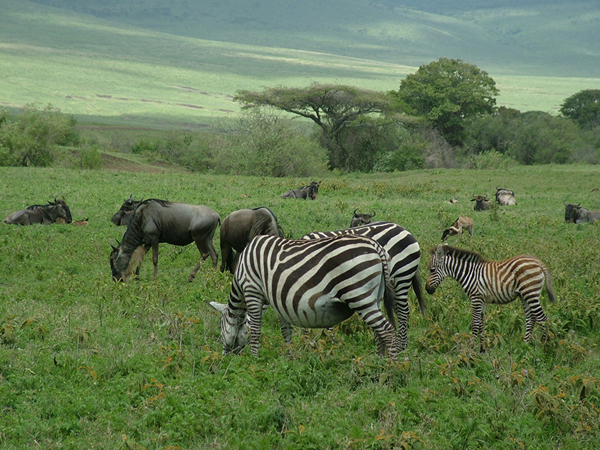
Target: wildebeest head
<point>124,215</point>
<point>481,202</point>
<point>361,218</point>
<point>505,197</point>
<point>570,212</point>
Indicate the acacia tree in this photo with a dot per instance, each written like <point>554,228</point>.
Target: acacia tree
<point>336,109</point>
<point>583,108</point>
<point>447,93</point>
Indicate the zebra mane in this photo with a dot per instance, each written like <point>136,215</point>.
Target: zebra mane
<point>461,253</point>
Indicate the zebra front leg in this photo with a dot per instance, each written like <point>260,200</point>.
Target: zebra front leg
<point>384,332</point>
<point>255,311</point>
<point>286,331</point>
<point>477,321</point>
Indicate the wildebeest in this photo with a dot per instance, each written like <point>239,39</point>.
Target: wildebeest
<point>481,202</point>
<point>463,222</point>
<point>311,191</point>
<point>56,211</point>
<point>582,215</point>
<point>240,227</point>
<point>505,197</point>
<point>360,219</point>
<point>569,207</point>
<point>124,215</point>
<point>155,221</point>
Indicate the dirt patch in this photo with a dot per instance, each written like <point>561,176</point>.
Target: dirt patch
<point>114,162</point>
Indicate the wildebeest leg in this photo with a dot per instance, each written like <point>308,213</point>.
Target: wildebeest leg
<point>155,258</point>
<point>205,250</point>
<point>226,257</point>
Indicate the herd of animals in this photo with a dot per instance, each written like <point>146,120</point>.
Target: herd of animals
<point>323,278</point>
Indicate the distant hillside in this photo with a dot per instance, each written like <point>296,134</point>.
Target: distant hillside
<point>540,37</point>
<point>178,64</point>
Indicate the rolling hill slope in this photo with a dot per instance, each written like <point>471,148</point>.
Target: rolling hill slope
<point>143,62</point>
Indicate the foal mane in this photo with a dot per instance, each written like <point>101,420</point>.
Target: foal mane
<point>463,254</point>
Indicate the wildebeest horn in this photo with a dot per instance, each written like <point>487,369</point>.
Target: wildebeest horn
<point>373,215</point>
<point>354,213</point>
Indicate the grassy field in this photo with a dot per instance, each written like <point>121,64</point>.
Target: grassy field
<point>87,363</point>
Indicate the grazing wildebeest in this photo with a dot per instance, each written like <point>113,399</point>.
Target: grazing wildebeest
<point>569,207</point>
<point>405,255</point>
<point>505,197</point>
<point>309,283</point>
<point>496,282</point>
<point>360,219</point>
<point>56,211</point>
<point>240,227</point>
<point>582,215</point>
<point>463,222</point>
<point>156,221</point>
<point>481,202</point>
<point>124,215</point>
<point>311,191</point>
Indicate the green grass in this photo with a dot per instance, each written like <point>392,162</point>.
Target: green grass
<point>87,363</point>
<point>119,64</point>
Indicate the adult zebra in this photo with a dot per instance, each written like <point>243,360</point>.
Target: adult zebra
<point>312,284</point>
<point>487,281</point>
<point>405,255</point>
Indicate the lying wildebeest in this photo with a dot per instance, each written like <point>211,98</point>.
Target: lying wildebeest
<point>569,207</point>
<point>311,191</point>
<point>481,202</point>
<point>505,197</point>
<point>360,219</point>
<point>240,227</point>
<point>463,222</point>
<point>582,215</point>
<point>124,215</point>
<point>56,211</point>
<point>155,221</point>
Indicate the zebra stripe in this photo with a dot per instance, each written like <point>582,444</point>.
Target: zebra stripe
<point>313,284</point>
<point>405,255</point>
<point>495,282</point>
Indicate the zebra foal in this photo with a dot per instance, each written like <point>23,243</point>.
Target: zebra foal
<point>311,284</point>
<point>486,281</point>
<point>405,255</point>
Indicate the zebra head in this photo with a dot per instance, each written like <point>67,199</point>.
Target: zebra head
<point>437,270</point>
<point>234,329</point>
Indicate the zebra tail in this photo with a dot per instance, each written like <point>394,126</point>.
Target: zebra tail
<point>389,301</point>
<point>549,285</point>
<point>418,288</point>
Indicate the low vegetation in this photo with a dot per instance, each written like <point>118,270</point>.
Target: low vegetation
<point>87,363</point>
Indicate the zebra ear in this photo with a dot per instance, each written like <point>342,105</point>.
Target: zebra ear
<point>441,250</point>
<point>218,306</point>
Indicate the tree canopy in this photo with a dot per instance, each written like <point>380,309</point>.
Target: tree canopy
<point>334,108</point>
<point>447,93</point>
<point>583,108</point>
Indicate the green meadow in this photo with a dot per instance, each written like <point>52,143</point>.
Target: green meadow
<point>89,363</point>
